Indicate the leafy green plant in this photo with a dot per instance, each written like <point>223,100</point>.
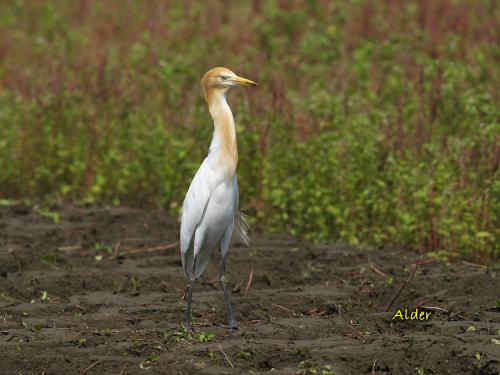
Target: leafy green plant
<point>183,335</point>
<point>45,296</point>
<point>246,355</point>
<point>54,261</point>
<point>54,216</point>
<point>144,365</point>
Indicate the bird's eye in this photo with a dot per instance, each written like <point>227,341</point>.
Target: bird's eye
<point>224,77</point>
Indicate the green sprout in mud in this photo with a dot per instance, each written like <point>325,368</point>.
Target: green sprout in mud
<point>146,364</point>
<point>82,342</point>
<point>301,351</point>
<point>267,280</point>
<point>139,345</point>
<point>45,296</point>
<point>39,327</point>
<point>203,337</point>
<point>105,332</point>
<point>246,355</point>
<point>315,370</point>
<point>478,356</point>
<point>23,324</point>
<point>44,212</point>
<point>118,287</point>
<point>186,336</point>
<point>389,280</point>
<point>132,284</point>
<point>102,247</point>
<point>52,261</point>
<point>471,329</point>
<point>136,284</point>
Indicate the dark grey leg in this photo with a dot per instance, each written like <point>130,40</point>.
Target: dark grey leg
<point>187,313</point>
<point>230,312</point>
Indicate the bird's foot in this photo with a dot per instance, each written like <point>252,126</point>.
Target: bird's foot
<point>187,327</point>
<point>231,326</point>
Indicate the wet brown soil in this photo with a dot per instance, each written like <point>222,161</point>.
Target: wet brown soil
<point>74,299</point>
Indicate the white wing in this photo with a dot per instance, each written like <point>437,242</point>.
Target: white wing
<point>194,205</point>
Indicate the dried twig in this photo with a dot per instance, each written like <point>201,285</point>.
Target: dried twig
<point>69,248</point>
<point>373,367</point>
<point>316,312</point>
<point>377,270</point>
<point>255,321</point>
<point>284,308</point>
<point>146,250</point>
<point>184,293</point>
<point>434,308</point>
<point>440,309</point>
<point>406,282</point>
<point>473,264</point>
<point>250,280</point>
<point>423,262</point>
<point>225,356</point>
<point>123,369</point>
<point>9,337</point>
<point>356,332</point>
<point>342,280</point>
<point>91,366</point>
<point>116,251</point>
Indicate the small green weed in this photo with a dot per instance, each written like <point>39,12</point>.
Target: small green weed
<point>44,212</point>
<point>185,336</point>
<point>53,261</point>
<point>150,360</point>
<point>246,355</point>
<point>45,296</point>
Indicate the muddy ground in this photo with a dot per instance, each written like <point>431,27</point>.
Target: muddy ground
<point>76,297</point>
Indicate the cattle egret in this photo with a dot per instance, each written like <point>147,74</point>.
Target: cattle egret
<point>210,208</point>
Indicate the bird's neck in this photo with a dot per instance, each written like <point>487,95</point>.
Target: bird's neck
<point>223,146</point>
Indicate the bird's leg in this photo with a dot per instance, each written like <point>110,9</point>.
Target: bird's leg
<point>230,312</point>
<point>187,313</point>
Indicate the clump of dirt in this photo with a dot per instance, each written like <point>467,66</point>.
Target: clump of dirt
<point>100,291</point>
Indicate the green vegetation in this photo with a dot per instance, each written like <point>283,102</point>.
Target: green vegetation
<point>54,261</point>
<point>187,336</point>
<point>149,361</point>
<point>374,122</point>
<point>326,370</point>
<point>45,296</point>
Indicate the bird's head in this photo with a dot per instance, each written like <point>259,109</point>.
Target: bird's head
<point>221,80</point>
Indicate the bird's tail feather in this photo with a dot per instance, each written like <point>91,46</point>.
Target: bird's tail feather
<point>241,228</point>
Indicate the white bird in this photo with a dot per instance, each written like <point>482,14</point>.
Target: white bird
<point>210,208</point>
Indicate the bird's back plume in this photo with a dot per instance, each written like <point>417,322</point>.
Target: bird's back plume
<point>241,231</point>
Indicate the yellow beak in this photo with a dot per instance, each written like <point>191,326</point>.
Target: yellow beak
<point>240,81</point>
